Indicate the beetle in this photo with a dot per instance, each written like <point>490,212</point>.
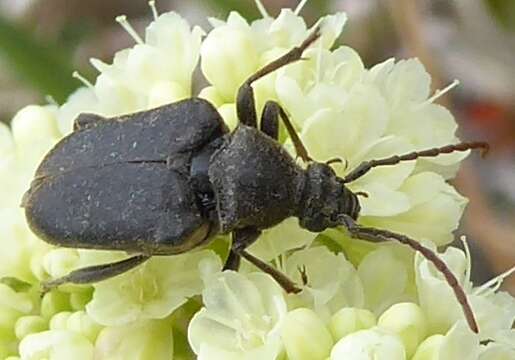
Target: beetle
<point>166,180</point>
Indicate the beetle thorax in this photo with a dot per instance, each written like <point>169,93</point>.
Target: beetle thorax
<point>324,197</point>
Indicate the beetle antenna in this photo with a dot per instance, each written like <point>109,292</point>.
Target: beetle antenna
<point>378,235</point>
<point>152,5</point>
<point>366,166</point>
<point>122,20</point>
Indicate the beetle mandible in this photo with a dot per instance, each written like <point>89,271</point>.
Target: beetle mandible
<point>165,181</point>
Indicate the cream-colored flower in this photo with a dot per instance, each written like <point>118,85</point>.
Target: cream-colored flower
<point>333,283</point>
<point>151,291</point>
<point>241,318</point>
<point>56,345</point>
<point>371,344</point>
<point>305,336</point>
<point>146,339</point>
<point>494,311</point>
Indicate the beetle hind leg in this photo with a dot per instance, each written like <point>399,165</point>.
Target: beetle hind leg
<point>96,273</point>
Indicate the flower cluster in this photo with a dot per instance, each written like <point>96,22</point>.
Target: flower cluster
<point>361,300</point>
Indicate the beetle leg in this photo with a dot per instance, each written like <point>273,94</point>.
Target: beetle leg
<point>96,273</point>
<point>244,238</point>
<point>245,103</point>
<point>241,239</point>
<point>379,235</point>
<point>270,126</point>
<point>366,166</point>
<point>288,285</point>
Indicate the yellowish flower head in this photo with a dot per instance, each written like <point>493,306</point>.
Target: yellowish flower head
<point>359,300</point>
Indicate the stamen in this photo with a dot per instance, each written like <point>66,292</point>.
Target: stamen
<point>494,284</point>
<point>439,93</point>
<point>122,20</point>
<point>152,5</point>
<point>299,7</point>
<point>262,9</point>
<point>319,63</point>
<point>50,100</point>
<point>82,79</point>
<point>468,271</point>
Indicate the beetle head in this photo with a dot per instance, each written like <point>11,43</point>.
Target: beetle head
<point>324,198</point>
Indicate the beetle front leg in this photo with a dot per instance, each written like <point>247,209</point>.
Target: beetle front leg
<point>245,103</point>
<point>244,238</point>
<point>96,273</point>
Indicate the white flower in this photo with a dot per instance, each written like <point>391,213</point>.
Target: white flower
<point>151,291</point>
<point>408,321</point>
<point>333,283</point>
<point>56,345</point>
<point>241,318</point>
<point>305,336</point>
<point>458,343</point>
<point>371,344</point>
<point>495,312</point>
<point>348,320</point>
<point>147,339</point>
<point>385,276</point>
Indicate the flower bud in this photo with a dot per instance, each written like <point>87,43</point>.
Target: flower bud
<point>54,302</point>
<point>139,340</point>
<point>56,345</point>
<point>59,321</point>
<point>80,322</point>
<point>349,320</point>
<point>59,262</point>
<point>305,336</point>
<point>408,321</point>
<point>429,349</point>
<point>371,344</point>
<point>34,123</point>
<point>30,324</point>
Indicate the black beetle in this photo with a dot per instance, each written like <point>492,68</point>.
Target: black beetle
<point>164,181</point>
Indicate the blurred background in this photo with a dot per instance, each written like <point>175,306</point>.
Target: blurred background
<point>43,41</point>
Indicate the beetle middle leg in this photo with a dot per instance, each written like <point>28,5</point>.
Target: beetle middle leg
<point>92,274</point>
<point>241,240</point>
<point>379,235</point>
<point>270,126</point>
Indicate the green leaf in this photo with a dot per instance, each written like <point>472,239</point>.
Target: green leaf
<point>43,66</point>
